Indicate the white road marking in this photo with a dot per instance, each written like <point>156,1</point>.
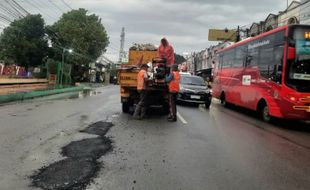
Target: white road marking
<point>181,118</point>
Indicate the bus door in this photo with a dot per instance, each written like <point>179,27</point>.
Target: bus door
<point>238,70</point>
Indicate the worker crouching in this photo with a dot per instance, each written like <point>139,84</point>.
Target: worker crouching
<point>173,80</point>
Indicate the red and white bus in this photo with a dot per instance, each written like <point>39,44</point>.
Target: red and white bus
<point>269,73</point>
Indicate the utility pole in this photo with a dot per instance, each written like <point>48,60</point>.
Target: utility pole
<point>122,53</point>
<point>286,3</point>
<point>238,34</point>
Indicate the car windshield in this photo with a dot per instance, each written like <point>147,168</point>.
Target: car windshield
<point>197,81</point>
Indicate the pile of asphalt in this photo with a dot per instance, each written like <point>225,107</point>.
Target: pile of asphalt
<point>99,128</point>
<point>92,148</point>
<point>81,167</point>
<point>67,174</point>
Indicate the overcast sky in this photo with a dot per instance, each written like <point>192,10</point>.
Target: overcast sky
<point>185,23</point>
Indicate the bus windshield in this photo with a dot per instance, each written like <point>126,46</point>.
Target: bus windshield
<point>298,70</point>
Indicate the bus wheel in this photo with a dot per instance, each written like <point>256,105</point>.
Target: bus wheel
<point>223,100</point>
<point>264,112</point>
<point>125,107</point>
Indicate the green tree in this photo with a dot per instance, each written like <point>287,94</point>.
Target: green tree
<point>23,42</point>
<point>81,32</point>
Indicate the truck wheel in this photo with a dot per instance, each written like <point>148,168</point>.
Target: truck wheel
<point>125,107</point>
<point>166,109</point>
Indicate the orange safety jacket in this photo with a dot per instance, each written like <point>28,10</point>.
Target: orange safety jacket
<point>174,85</point>
<point>141,80</point>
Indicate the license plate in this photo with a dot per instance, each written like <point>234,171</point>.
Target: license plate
<point>195,97</point>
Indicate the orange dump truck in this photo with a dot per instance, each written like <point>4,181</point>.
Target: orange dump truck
<point>127,78</point>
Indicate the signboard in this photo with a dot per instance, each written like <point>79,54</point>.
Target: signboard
<point>303,47</point>
<point>124,60</point>
<point>222,35</point>
<point>246,80</point>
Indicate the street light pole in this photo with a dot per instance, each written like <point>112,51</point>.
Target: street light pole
<point>62,63</point>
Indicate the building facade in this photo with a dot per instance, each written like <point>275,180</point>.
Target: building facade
<point>298,12</point>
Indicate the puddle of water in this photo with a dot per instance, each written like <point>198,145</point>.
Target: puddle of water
<point>91,148</point>
<point>99,128</point>
<point>87,93</point>
<point>67,174</point>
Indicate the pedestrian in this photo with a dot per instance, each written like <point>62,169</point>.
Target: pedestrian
<point>173,80</point>
<point>165,51</point>
<point>141,107</point>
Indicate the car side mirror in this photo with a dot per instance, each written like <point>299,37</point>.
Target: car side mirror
<point>291,55</point>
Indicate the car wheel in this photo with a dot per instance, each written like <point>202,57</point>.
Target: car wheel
<point>208,103</point>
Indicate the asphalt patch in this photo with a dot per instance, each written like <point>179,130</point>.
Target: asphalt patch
<point>67,174</point>
<point>92,148</point>
<point>99,128</point>
<point>81,166</point>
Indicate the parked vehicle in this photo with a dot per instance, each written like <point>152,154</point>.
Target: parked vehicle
<point>269,73</point>
<point>193,89</point>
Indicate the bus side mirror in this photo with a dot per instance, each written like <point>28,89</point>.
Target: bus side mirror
<point>291,53</point>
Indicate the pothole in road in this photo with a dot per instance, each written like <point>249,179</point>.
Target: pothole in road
<point>94,148</point>
<point>81,166</point>
<point>99,128</point>
<point>68,174</point>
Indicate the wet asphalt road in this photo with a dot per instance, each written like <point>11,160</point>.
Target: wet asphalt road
<point>218,148</point>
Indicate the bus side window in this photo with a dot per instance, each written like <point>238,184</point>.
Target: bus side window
<point>253,57</point>
<point>248,60</point>
<point>220,62</point>
<point>278,61</point>
<point>240,56</point>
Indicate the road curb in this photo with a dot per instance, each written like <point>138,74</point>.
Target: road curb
<point>36,94</point>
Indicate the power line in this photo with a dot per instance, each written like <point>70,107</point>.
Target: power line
<point>40,11</point>
<point>20,7</point>
<point>10,10</point>
<point>55,5</point>
<point>15,9</point>
<point>44,5</point>
<point>5,18</point>
<point>66,4</point>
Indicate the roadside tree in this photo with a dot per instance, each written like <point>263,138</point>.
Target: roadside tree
<point>81,32</point>
<point>23,42</point>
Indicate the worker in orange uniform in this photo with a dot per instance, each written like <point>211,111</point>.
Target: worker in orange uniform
<point>173,80</point>
<point>166,52</point>
<point>141,107</point>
